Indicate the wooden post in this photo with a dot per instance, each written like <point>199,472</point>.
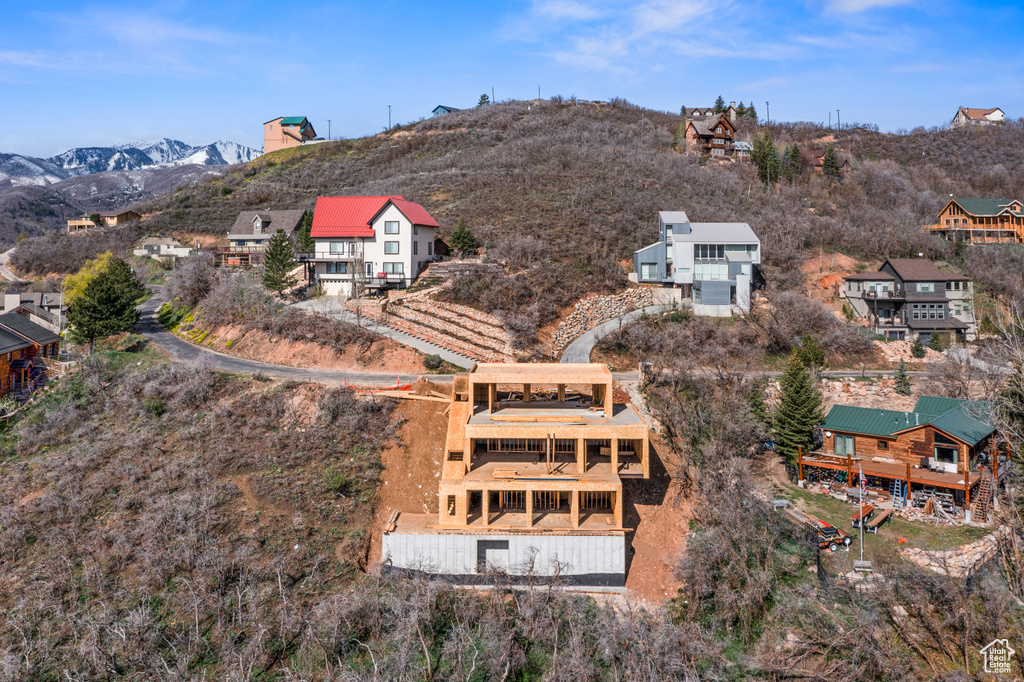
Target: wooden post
<point>967,490</point>
<point>561,393</point>
<point>800,462</point>
<point>485,506</point>
<point>646,458</point>
<point>618,508</point>
<point>529,509</point>
<point>526,393</point>
<point>609,401</point>
<point>492,394</point>
<point>908,482</point>
<point>849,469</point>
<point>615,455</point>
<point>575,507</point>
<point>581,455</point>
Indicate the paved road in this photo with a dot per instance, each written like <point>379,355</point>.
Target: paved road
<point>7,274</point>
<point>332,307</point>
<point>581,348</point>
<point>150,328</point>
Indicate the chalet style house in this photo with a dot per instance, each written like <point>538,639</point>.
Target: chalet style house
<point>249,236</point>
<point>815,159</point>
<point>25,348</point>
<point>531,481</point>
<point>942,445</point>
<point>705,112</point>
<point>373,242</point>
<point>286,131</point>
<point>977,117</point>
<point>715,264</point>
<point>712,137</point>
<point>981,220</point>
<point>909,297</point>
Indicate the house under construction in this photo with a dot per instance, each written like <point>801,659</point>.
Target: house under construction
<point>531,482</point>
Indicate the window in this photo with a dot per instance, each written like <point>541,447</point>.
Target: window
<point>337,268</point>
<point>338,248</point>
<point>883,445</point>
<point>391,248</point>
<point>709,251</point>
<point>947,455</point>
<point>415,248</point>
<point>925,287</point>
<point>451,505</point>
<point>949,286</point>
<point>942,314</point>
<point>648,271</point>
<point>391,227</point>
<point>415,229</point>
<point>369,269</point>
<point>718,130</point>
<point>844,445</point>
<point>394,268</point>
<point>430,248</point>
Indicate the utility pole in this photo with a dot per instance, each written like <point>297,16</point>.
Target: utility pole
<point>389,117</point>
<point>492,94</point>
<point>538,92</point>
<point>830,118</point>
<point>767,113</point>
<point>839,126</point>
<point>328,130</point>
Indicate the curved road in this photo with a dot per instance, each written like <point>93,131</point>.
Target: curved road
<point>5,272</point>
<point>581,348</point>
<point>149,327</point>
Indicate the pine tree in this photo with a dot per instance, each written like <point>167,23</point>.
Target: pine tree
<point>752,112</point>
<point>278,262</point>
<point>901,378</point>
<point>795,160</point>
<point>678,135</point>
<point>462,239</point>
<point>935,342</point>
<point>830,164</point>
<point>799,410</point>
<point>683,112</point>
<point>484,100</point>
<point>306,242</point>
<point>719,105</point>
<point>107,306</point>
<point>811,354</point>
<point>917,348</point>
<point>766,157</point>
<point>741,110</point>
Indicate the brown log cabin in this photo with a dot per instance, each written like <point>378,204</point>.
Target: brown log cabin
<point>944,444</point>
<point>25,348</point>
<point>982,221</point>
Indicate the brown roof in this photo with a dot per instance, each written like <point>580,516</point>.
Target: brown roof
<point>814,157</point>
<point>872,275</point>
<point>921,270</point>
<point>705,128</point>
<point>279,220</point>
<point>114,214</point>
<point>978,113</point>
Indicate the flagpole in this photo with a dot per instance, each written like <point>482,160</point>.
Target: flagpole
<point>860,486</point>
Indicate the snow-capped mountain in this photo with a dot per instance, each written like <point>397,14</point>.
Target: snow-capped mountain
<point>142,155</point>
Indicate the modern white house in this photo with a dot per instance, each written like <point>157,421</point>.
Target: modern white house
<point>713,263</point>
<point>371,243</point>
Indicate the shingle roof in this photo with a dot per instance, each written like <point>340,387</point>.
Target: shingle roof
<point>115,214</point>
<point>976,206</point>
<point>871,275</point>
<point>978,113</point>
<point>11,342</point>
<point>22,326</point>
<point>921,270</point>
<point>285,220</point>
<point>351,216</point>
<point>961,419</point>
<point>706,127</point>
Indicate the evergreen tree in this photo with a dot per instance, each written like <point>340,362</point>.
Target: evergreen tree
<point>719,105</point>
<point>795,160</point>
<point>752,112</point>
<point>484,100</point>
<point>766,157</point>
<point>278,262</point>
<point>306,241</point>
<point>786,169</point>
<point>917,348</point>
<point>799,410</point>
<point>678,135</point>
<point>830,164</point>
<point>683,112</point>
<point>935,342</point>
<point>107,306</point>
<point>462,239</point>
<point>741,110</point>
<point>902,380</point>
<point>811,354</point>
<point>759,404</point>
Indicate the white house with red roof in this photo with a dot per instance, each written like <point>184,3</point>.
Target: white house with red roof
<point>378,242</point>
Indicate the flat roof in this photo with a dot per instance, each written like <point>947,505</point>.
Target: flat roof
<point>540,373</point>
<point>521,416</point>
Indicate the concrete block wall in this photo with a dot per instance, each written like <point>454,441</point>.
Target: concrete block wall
<point>591,312</point>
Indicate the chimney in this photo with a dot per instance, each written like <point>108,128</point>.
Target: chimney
<point>732,111</point>
<point>917,420</point>
<point>12,299</point>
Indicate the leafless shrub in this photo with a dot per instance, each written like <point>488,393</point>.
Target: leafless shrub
<point>193,280</point>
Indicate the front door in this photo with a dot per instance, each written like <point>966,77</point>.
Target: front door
<point>844,445</point>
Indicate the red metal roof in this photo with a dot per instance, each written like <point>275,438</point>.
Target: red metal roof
<point>351,216</point>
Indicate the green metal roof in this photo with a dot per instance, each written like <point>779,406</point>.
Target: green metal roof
<point>962,419</point>
<point>976,206</point>
<point>292,120</point>
<point>866,420</point>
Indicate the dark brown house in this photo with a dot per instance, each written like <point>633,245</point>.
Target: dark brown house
<point>712,137</point>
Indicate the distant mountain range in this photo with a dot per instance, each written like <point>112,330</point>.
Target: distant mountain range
<point>16,169</point>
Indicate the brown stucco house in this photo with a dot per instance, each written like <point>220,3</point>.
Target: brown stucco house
<point>286,131</point>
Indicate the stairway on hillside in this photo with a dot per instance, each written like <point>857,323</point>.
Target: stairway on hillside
<point>981,504</point>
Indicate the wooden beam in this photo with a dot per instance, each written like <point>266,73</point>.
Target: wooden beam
<point>526,393</point>
<point>485,506</point>
<point>529,509</point>
<point>615,455</point>
<point>618,508</point>
<point>800,462</point>
<point>575,507</point>
<point>561,393</point>
<point>581,455</point>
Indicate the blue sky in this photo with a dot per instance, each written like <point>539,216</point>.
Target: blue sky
<point>79,74</point>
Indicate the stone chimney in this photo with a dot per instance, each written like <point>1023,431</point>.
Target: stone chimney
<point>732,111</point>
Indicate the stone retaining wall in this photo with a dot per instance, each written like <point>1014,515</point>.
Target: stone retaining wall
<point>591,312</point>
<point>960,561</point>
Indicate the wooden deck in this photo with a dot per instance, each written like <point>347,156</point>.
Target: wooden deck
<point>891,470</point>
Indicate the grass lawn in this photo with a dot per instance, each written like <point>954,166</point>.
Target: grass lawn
<point>885,545</point>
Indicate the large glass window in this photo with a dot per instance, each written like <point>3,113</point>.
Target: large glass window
<point>390,227</point>
<point>391,248</point>
<point>394,268</point>
<point>709,251</point>
<point>925,287</point>
<point>337,268</point>
<point>338,249</point>
<point>844,445</point>
<point>648,271</point>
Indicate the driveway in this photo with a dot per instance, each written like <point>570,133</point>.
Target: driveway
<point>581,348</point>
<point>5,272</point>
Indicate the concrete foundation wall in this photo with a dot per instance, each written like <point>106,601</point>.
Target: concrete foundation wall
<point>705,310</point>
<point>583,559</point>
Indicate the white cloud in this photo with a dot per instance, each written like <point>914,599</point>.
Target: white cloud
<point>855,6</point>
<point>565,9</point>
